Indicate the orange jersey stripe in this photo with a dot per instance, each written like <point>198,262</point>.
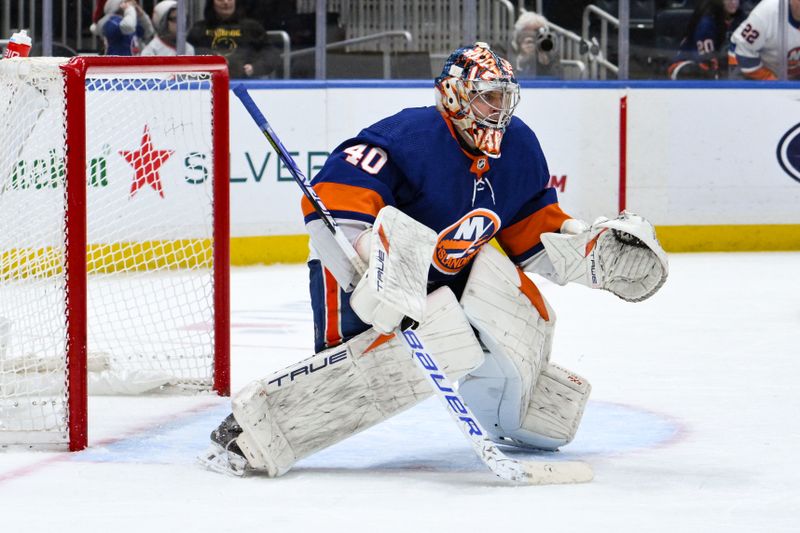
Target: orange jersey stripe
<point>333,335</point>
<point>525,234</point>
<point>761,73</point>
<point>340,197</point>
<point>530,290</point>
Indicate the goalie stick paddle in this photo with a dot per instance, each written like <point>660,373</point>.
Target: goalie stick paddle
<point>531,472</point>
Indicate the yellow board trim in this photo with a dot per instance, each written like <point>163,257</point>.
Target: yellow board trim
<point>738,238</point>
<point>728,238</point>
<point>192,254</point>
<point>20,263</point>
<point>269,250</point>
<point>181,254</point>
<point>196,253</point>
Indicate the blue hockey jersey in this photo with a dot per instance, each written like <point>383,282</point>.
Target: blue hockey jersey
<point>707,41</point>
<point>413,161</point>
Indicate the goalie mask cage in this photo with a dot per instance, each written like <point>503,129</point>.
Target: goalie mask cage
<point>114,254</point>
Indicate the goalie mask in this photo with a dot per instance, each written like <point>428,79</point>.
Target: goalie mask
<point>477,92</point>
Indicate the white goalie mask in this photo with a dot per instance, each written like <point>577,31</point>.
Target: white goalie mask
<point>478,93</point>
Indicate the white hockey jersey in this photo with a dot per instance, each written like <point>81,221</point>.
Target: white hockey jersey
<point>157,47</point>
<point>756,42</point>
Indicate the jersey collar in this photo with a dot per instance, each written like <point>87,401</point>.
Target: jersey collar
<point>480,161</point>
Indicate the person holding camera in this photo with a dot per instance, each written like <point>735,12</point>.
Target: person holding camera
<point>535,45</point>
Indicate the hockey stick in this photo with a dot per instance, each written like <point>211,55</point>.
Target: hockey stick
<point>532,472</point>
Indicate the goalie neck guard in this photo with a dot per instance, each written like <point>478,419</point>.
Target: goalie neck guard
<point>477,92</point>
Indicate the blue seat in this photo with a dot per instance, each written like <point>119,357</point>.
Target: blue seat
<point>642,12</point>
<point>670,27</point>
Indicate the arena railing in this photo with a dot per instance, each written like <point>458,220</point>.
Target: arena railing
<point>286,54</point>
<point>382,37</point>
<point>599,65</point>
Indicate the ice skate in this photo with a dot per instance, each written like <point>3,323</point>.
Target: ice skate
<point>223,455</point>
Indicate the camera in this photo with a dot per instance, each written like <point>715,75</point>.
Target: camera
<point>545,40</point>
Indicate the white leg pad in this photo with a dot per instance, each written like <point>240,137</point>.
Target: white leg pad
<point>343,390</point>
<point>517,395</point>
<point>554,412</point>
<point>516,335</point>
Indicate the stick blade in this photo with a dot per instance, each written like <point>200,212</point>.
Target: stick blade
<point>542,472</point>
<point>557,473</point>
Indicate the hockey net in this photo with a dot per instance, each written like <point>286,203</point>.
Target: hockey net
<point>113,236</point>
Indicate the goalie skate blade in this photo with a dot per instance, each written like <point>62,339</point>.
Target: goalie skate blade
<point>555,473</point>
<point>219,460</point>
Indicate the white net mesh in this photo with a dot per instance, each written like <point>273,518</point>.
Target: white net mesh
<point>150,228</point>
<point>32,246</point>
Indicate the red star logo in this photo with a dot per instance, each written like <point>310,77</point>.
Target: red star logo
<point>145,162</point>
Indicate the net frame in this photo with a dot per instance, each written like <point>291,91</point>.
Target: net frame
<point>75,73</point>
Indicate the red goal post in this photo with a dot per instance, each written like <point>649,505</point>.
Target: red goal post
<point>114,236</point>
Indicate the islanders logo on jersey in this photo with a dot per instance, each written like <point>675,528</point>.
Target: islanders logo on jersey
<point>459,243</point>
<point>789,152</point>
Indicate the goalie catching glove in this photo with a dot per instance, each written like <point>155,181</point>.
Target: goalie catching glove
<point>399,250</point>
<point>622,256</point>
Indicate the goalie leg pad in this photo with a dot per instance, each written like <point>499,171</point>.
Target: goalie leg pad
<point>343,390</point>
<point>515,324</point>
<point>554,413</point>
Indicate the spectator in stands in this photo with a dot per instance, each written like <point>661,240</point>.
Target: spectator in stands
<point>703,52</point>
<point>98,13</point>
<point>165,22</point>
<point>756,43</point>
<point>535,46</point>
<point>125,28</point>
<point>242,41</point>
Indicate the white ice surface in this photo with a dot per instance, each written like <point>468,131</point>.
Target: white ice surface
<point>693,426</point>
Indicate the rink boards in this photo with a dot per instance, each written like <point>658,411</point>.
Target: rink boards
<point>715,167</point>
